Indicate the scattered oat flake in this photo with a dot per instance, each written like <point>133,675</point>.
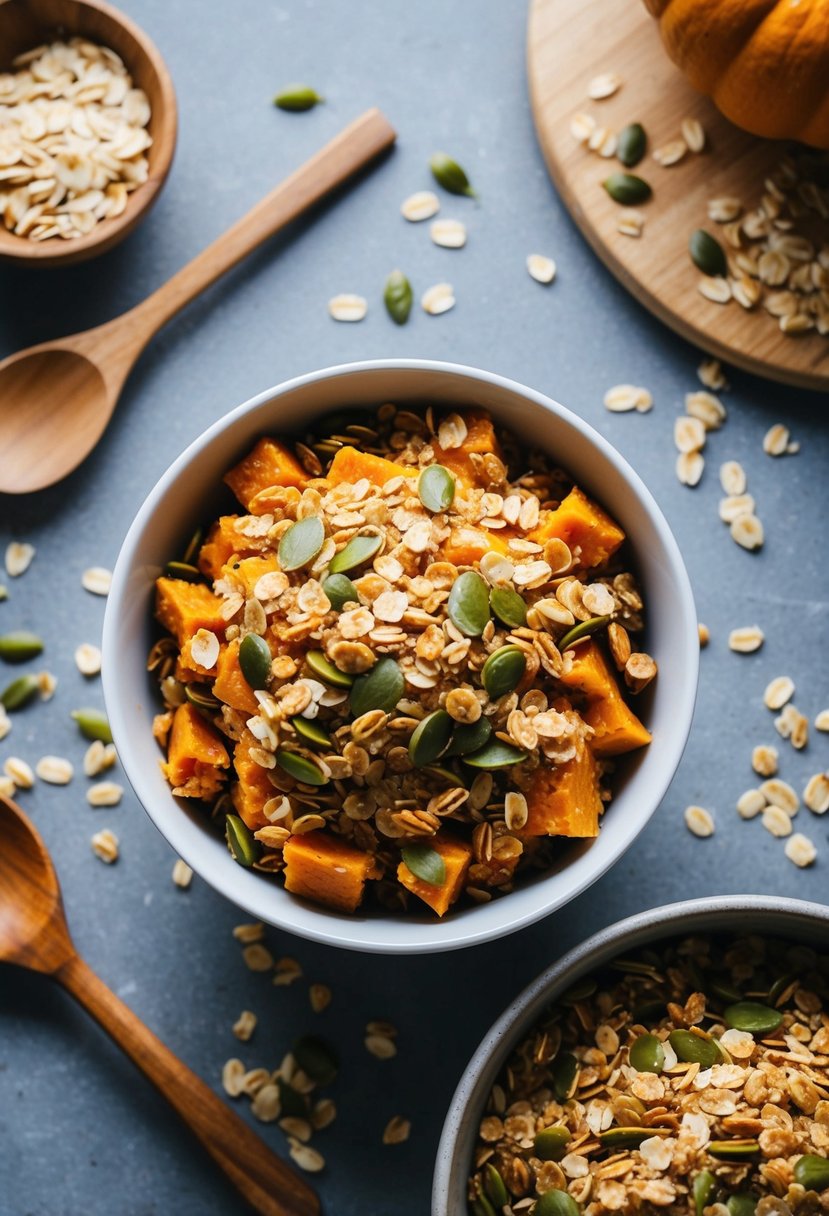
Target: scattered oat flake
<point>97,580</point>
<point>747,639</point>
<point>6,722</point>
<point>182,874</point>
<point>716,289</point>
<point>670,153</point>
<point>105,793</point>
<point>420,206</point>
<point>751,803</point>
<point>381,1046</point>
<point>397,1130</point>
<point>623,398</point>
<point>251,932</point>
<point>88,659</point>
<point>689,467</point>
<point>320,997</point>
<point>699,821</point>
<point>582,127</point>
<point>19,557</point>
<point>816,793</point>
<point>693,133</point>
<point>732,478</point>
<point>347,307</point>
<point>689,434</point>
<point>704,634</point>
<point>707,407</point>
<point>604,85</point>
<point>306,1157</point>
<point>822,720</point>
<point>776,440</point>
<point>47,684</point>
<point>764,760</point>
<point>233,1075</point>
<point>776,821</point>
<point>747,531</point>
<point>800,850</point>
<point>781,794</point>
<point>257,957</point>
<point>105,846</point>
<point>244,1025</point>
<point>99,757</point>
<point>541,268</point>
<point>778,692</point>
<point>449,234</point>
<point>19,772</point>
<point>438,299</point>
<point>54,770</point>
<point>288,971</point>
<point>630,222</point>
<point>711,375</point>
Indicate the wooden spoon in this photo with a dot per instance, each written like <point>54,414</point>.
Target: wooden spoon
<point>33,934</point>
<point>57,398</point>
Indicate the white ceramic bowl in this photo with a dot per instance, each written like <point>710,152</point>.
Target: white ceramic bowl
<point>182,499</point>
<point>789,919</point>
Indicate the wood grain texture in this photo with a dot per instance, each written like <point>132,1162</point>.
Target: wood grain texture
<point>33,934</point>
<point>570,42</point>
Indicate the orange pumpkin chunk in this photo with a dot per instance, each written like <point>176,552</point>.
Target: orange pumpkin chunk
<point>269,464</point>
<point>466,546</point>
<point>183,608</point>
<point>248,570</point>
<point>195,755</point>
<point>480,438</point>
<point>457,855</point>
<point>222,542</point>
<point>616,727</point>
<point>589,531</point>
<point>565,801</point>
<point>230,685</point>
<point>326,870</point>
<point>350,466</point>
<point>253,788</point>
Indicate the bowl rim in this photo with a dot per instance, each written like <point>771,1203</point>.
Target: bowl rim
<point>705,914</point>
<point>411,937</point>
<point>20,250</point>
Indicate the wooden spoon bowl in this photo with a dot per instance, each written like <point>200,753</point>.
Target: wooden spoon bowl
<point>25,24</point>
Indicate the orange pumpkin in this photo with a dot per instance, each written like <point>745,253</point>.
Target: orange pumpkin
<point>765,63</point>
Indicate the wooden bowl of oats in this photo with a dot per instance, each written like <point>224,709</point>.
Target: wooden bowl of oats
<point>87,129</point>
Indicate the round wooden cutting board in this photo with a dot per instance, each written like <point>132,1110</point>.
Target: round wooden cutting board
<point>572,41</point>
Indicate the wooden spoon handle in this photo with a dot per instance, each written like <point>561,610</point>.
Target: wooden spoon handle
<point>270,1186</point>
<point>345,155</point>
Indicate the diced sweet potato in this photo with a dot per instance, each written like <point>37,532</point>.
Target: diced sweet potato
<point>565,801</point>
<point>187,669</point>
<point>184,608</point>
<point>591,534</point>
<point>248,570</point>
<point>195,755</point>
<point>323,868</point>
<point>350,466</point>
<point>466,546</point>
<point>230,685</point>
<point>457,855</point>
<point>253,787</point>
<point>270,463</point>
<point>616,727</point>
<point>480,438</point>
<point>222,542</point>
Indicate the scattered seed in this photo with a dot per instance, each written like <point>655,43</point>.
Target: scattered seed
<point>449,234</point>
<point>420,206</point>
<point>631,144</point>
<point>19,557</point>
<point>438,299</point>
<point>297,98</point>
<point>398,296</point>
<point>20,692</point>
<point>699,821</point>
<point>707,254</point>
<point>347,307</point>
<point>603,86</point>
<point>93,724</point>
<point>541,268</point>
<point>449,174</point>
<point>800,850</point>
<point>105,846</point>
<point>19,646</point>
<point>54,770</point>
<point>746,640</point>
<point>97,580</point>
<point>627,189</point>
<point>747,531</point>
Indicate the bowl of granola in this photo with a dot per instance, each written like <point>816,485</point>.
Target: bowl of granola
<point>676,1062</point>
<point>380,655</point>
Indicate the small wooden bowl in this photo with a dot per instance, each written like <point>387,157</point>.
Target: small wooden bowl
<point>25,24</point>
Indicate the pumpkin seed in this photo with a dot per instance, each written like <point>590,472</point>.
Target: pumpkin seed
<point>293,1103</point>
<point>694,1048</point>
<point>812,1172</point>
<point>582,630</point>
<point>630,1137</point>
<point>430,738</point>
<point>20,692</point>
<point>707,254</point>
<point>647,1054</point>
<point>631,144</point>
<point>297,97</point>
<point>555,1203</point>
<point>702,1187</point>
<point>551,1142</point>
<point>185,571</point>
<point>482,1207</point>
<point>722,989</point>
<point>436,488</point>
<point>564,1071</point>
<point>580,991</point>
<point>425,863</point>
<point>449,174</point>
<point>496,754</point>
<point>359,549</point>
<point>468,604</point>
<point>200,696</point>
<point>753,1017</point>
<point>255,660</point>
<point>241,843</point>
<point>316,1058</point>
<point>780,985</point>
<point>193,545</point>
<point>300,767</point>
<point>650,1011</point>
<point>398,297</point>
<point>733,1150</point>
<point>470,737</point>
<point>311,733</point>
<point>340,591</point>
<point>19,646</point>
<point>503,671</point>
<point>93,724</point>
<point>320,666</point>
<point>380,688</point>
<point>627,189</point>
<point>741,1204</point>
<point>444,773</point>
<point>301,543</point>
<point>508,606</point>
<point>494,1186</point>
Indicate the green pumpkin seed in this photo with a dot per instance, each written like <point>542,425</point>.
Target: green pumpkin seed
<point>186,571</point>
<point>19,646</point>
<point>200,696</point>
<point>468,604</point>
<point>503,671</point>
<point>444,774</point>
<point>707,253</point>
<point>193,545</point>
<point>300,767</point>
<point>430,738</point>
<point>255,660</point>
<point>580,991</point>
<point>694,1048</point>
<point>297,97</point>
<point>627,189</point>
<point>20,692</point>
<point>494,1186</point>
<point>733,1150</point>
<point>293,1103</point>
<point>555,1203</point>
<point>702,1188</point>
<point>340,591</point>
<point>630,1137</point>
<point>436,488</point>
<point>482,1207</point>
<point>551,1142</point>
<point>812,1172</point>
<point>319,666</point>
<point>648,1012</point>
<point>301,543</point>
<point>780,985</point>
<point>631,144</point>
<point>93,724</point>
<point>470,737</point>
<point>564,1071</point>
<point>359,550</point>
<point>583,630</point>
<point>753,1017</point>
<point>508,606</point>
<point>316,1058</point>
<point>398,296</point>
<point>310,732</point>
<point>723,989</point>
<point>241,843</point>
<point>741,1204</point>
<point>425,863</point>
<point>4,592</point>
<point>647,1054</point>
<point>380,688</point>
<point>449,174</point>
<point>496,754</point>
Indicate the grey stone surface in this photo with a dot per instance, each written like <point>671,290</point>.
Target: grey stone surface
<point>80,1133</point>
